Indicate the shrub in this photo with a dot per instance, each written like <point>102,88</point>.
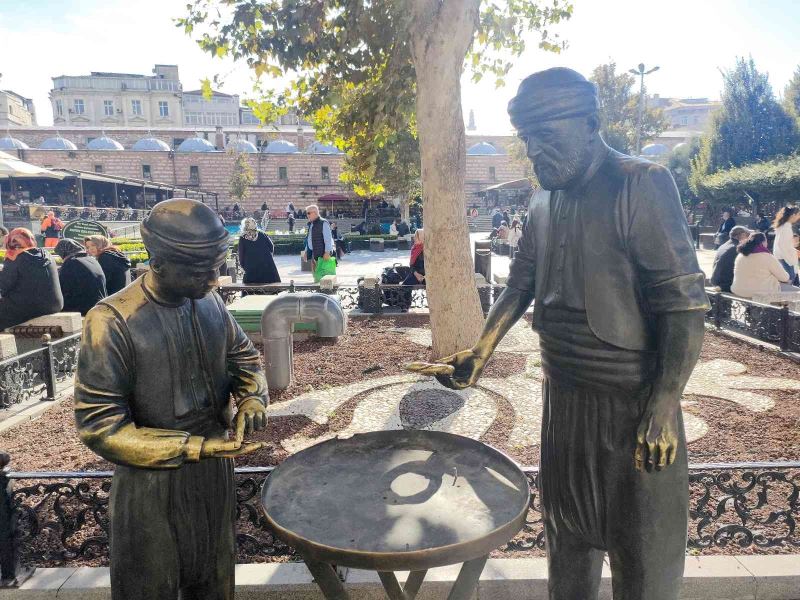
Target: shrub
<point>777,179</point>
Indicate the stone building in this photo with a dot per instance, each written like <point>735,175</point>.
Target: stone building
<point>693,114</point>
<point>287,163</point>
<point>221,109</point>
<point>118,99</point>
<point>16,110</point>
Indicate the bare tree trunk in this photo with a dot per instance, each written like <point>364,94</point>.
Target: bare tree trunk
<point>441,32</point>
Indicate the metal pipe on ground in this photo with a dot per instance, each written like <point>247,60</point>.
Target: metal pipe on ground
<point>277,321</point>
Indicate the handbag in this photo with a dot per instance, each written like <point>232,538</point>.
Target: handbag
<point>324,267</point>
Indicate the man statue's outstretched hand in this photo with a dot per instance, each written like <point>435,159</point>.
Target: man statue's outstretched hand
<point>457,371</point>
<point>657,439</point>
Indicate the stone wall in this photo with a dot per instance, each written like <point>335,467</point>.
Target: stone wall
<point>303,185</point>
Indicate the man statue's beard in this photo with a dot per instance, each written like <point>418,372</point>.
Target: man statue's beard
<point>558,173</point>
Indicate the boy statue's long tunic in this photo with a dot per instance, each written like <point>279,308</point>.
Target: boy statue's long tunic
<point>153,381</point>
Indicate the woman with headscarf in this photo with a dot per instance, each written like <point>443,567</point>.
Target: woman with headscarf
<point>417,262</point>
<point>255,254</point>
<point>28,281</point>
<point>116,266</point>
<point>51,229</point>
<point>83,283</point>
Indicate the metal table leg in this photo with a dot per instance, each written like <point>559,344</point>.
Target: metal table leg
<point>464,587</point>
<point>468,579</point>
<point>407,592</point>
<point>328,581</point>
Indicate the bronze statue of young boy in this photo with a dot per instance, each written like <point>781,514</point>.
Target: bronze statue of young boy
<point>160,363</point>
<point>619,308</point>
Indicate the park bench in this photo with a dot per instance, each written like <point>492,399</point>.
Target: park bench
<point>707,241</point>
<point>28,335</point>
<point>405,242</point>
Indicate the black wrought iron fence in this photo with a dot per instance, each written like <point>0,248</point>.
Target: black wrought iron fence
<point>61,519</point>
<point>772,324</point>
<point>37,374</point>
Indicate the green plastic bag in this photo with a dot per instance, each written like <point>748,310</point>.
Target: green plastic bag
<point>324,267</point>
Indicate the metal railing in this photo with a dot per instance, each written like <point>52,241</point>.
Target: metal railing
<point>772,324</point>
<point>38,373</point>
<point>61,519</point>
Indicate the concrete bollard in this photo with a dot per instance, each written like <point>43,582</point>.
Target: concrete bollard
<point>376,244</point>
<point>483,263</point>
<point>327,283</point>
<point>8,346</point>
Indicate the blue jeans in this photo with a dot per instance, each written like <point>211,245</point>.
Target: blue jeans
<point>789,269</point>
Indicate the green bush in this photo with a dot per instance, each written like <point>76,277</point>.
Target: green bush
<point>777,179</point>
<point>131,247</point>
<point>138,258</point>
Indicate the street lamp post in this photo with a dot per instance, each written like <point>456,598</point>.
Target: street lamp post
<point>641,72</point>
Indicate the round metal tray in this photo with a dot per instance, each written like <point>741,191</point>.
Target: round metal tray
<point>397,500</point>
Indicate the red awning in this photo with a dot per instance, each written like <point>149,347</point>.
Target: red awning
<point>333,198</point>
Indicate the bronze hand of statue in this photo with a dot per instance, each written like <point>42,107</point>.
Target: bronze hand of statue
<point>457,371</point>
<point>657,437</point>
<point>223,448</point>
<point>251,416</point>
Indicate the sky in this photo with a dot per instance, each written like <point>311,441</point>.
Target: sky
<point>690,40</point>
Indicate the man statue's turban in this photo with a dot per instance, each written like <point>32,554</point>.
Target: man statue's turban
<point>185,231</point>
<point>550,95</point>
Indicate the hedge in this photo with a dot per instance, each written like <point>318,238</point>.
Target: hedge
<point>773,180</point>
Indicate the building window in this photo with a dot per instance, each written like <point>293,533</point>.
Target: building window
<point>194,174</point>
<point>146,174</point>
<point>136,107</point>
<point>163,108</point>
<point>60,108</point>
<point>325,173</point>
<point>108,108</point>
<point>283,173</point>
<point>492,173</point>
<point>98,168</point>
<point>78,107</point>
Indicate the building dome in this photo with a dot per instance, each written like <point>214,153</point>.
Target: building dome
<point>482,149</point>
<point>57,143</point>
<point>240,145</point>
<point>281,147</point>
<point>196,144</point>
<point>150,144</point>
<point>104,143</point>
<point>320,148</point>
<point>655,150</point>
<point>10,143</point>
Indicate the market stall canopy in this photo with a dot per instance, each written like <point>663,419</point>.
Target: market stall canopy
<point>11,166</point>
<point>333,198</point>
<point>516,184</point>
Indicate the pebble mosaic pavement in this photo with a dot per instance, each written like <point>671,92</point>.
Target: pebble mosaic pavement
<point>408,401</point>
